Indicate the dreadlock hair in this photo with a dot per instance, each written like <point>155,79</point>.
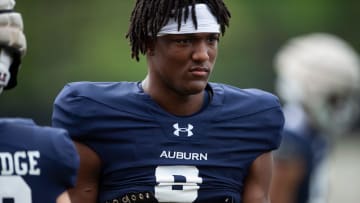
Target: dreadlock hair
<point>149,16</point>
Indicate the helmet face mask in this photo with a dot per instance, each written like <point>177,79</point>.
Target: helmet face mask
<point>333,113</point>
<point>321,73</point>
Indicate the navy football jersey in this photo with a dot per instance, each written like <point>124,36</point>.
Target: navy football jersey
<point>200,158</point>
<point>37,163</point>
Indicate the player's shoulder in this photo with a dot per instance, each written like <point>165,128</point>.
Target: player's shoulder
<point>82,106</point>
<point>16,122</point>
<point>92,90</point>
<point>51,141</point>
<point>253,109</point>
<point>28,125</point>
<point>244,101</point>
<point>85,98</point>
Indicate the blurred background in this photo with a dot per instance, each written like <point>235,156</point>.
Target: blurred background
<point>85,41</point>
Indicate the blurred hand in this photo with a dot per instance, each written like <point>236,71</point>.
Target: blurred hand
<point>12,43</point>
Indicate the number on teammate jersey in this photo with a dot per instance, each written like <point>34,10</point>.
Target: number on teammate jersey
<point>14,188</point>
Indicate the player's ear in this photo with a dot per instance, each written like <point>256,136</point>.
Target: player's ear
<point>150,46</point>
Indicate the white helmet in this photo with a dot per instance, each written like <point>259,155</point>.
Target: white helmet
<point>320,72</point>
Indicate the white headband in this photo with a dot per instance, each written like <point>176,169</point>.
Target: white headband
<point>205,19</point>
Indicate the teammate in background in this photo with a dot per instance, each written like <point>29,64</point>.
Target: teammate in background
<point>174,136</point>
<point>318,81</point>
<point>37,164</point>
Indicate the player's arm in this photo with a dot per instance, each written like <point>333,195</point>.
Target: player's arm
<point>290,166</point>
<point>286,180</point>
<point>86,187</point>
<point>257,184</point>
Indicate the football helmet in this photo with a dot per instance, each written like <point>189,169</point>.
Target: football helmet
<point>321,73</point>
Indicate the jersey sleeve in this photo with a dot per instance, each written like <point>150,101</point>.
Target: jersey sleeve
<point>255,118</point>
<point>72,112</point>
<point>269,124</point>
<point>259,113</point>
<point>269,120</point>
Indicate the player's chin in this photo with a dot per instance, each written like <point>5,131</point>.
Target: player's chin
<point>195,87</point>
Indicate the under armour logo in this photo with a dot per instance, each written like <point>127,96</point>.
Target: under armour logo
<point>183,130</point>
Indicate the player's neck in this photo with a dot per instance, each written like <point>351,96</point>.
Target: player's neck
<point>176,104</point>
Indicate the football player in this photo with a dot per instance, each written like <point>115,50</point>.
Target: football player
<point>318,80</point>
<point>174,136</point>
<point>37,164</point>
